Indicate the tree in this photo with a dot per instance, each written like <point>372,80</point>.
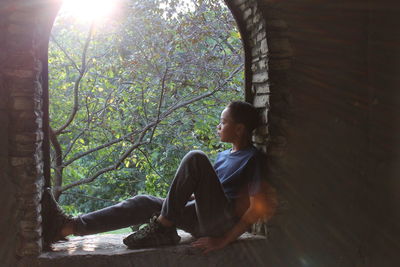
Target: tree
<point>128,99</point>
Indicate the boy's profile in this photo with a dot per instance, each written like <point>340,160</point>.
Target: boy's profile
<point>216,203</point>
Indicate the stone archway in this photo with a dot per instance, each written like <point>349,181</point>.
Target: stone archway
<point>26,26</point>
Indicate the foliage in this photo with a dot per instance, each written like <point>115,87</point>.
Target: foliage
<point>130,97</point>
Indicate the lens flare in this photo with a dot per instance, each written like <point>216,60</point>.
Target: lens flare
<point>88,10</point>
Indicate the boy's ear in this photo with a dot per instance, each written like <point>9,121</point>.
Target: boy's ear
<point>240,129</point>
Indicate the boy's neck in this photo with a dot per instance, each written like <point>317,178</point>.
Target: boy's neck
<point>242,144</point>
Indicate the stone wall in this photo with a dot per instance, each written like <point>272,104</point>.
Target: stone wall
<point>268,58</point>
<point>24,181</point>
<point>25,26</point>
<point>328,73</point>
<point>338,174</point>
<point>21,134</point>
<point>7,221</point>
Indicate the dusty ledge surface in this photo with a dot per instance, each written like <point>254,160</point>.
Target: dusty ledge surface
<point>108,250</point>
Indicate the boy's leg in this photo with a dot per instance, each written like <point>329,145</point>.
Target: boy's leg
<point>136,210</point>
<point>213,210</point>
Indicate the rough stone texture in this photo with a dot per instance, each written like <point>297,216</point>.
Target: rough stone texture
<point>107,250</point>
<point>330,70</point>
<point>21,120</point>
<point>334,129</point>
<point>8,218</point>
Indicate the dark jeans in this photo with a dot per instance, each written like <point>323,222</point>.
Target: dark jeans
<point>211,214</point>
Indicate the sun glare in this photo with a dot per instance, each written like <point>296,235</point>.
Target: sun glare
<point>88,10</point>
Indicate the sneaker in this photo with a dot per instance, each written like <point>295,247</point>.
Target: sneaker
<point>152,235</point>
<point>54,219</point>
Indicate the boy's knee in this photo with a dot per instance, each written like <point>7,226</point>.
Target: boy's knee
<point>196,154</point>
<point>140,201</point>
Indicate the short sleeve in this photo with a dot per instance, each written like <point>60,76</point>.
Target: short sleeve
<point>255,172</point>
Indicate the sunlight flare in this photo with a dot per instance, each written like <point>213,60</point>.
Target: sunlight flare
<point>88,10</point>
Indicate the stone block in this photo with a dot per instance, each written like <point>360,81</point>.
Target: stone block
<point>255,51</point>
<point>32,234</point>
<point>249,25</point>
<point>28,225</point>
<point>30,190</point>
<point>22,161</point>
<point>38,104</point>
<point>260,36</point>
<point>38,89</point>
<point>261,101</point>
<point>17,73</point>
<point>247,13</point>
<point>256,18</point>
<point>21,17</point>
<point>260,77</point>
<point>263,64</point>
<point>18,29</point>
<point>254,67</point>
<point>21,87</point>
<point>33,213</point>
<point>31,248</point>
<point>262,147</point>
<point>264,46</point>
<point>261,26</point>
<point>23,126</point>
<point>262,88</point>
<point>264,118</point>
<point>262,131</point>
<point>27,138</point>
<point>26,149</point>
<point>17,116</point>
<point>23,174</point>
<point>249,250</point>
<point>259,139</point>
<point>19,43</point>
<point>243,6</point>
<point>255,59</point>
<point>21,61</point>
<point>22,103</point>
<point>239,2</point>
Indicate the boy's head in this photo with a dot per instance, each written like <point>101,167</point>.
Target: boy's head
<point>238,120</point>
<point>245,113</point>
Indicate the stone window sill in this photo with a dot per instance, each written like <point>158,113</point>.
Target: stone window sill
<point>108,250</point>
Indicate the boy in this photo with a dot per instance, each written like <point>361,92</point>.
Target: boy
<point>216,204</point>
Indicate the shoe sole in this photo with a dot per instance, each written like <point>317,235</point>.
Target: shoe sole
<point>152,243</point>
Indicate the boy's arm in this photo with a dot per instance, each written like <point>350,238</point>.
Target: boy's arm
<point>261,205</point>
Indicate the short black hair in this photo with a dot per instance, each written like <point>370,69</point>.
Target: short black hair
<point>245,113</point>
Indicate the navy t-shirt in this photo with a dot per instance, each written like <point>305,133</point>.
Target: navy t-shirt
<point>240,172</point>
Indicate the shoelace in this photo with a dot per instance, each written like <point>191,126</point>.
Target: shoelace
<point>148,229</point>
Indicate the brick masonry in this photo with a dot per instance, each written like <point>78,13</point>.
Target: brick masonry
<point>325,76</point>
<point>21,78</point>
<point>24,26</point>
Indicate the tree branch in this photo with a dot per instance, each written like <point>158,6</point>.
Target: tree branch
<point>58,168</point>
<point>89,197</point>
<point>143,132</point>
<point>109,168</point>
<point>82,71</point>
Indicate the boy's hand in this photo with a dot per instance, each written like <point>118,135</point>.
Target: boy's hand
<point>208,244</point>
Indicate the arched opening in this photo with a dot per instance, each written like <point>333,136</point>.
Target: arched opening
<point>132,93</point>
<point>252,27</point>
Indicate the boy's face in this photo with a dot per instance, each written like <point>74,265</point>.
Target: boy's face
<point>227,128</point>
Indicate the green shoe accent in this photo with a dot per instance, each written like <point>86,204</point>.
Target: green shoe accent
<point>152,235</point>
